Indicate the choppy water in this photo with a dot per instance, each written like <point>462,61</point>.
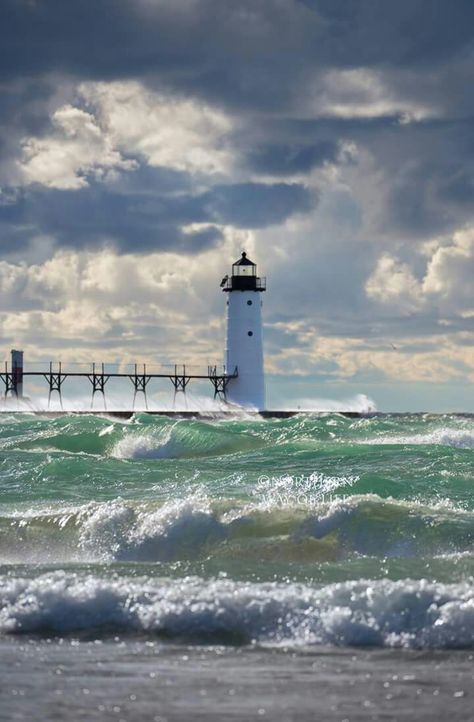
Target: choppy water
<point>291,533</point>
<point>164,569</point>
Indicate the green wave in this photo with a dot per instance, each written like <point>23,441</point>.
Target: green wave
<point>196,528</point>
<point>310,497</point>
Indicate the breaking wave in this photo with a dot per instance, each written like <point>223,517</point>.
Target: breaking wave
<point>409,614</point>
<point>457,438</point>
<point>195,528</point>
<point>301,531</point>
<point>180,439</point>
<point>148,438</point>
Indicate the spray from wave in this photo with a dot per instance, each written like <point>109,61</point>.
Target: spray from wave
<point>118,401</point>
<point>382,613</point>
<point>182,529</point>
<point>182,439</point>
<point>444,436</point>
<point>360,403</point>
<point>267,528</point>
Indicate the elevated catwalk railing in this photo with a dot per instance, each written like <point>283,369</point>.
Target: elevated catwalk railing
<point>99,374</point>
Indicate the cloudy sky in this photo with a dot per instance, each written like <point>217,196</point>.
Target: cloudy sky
<point>145,143</point>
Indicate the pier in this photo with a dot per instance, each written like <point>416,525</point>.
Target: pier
<point>55,374</point>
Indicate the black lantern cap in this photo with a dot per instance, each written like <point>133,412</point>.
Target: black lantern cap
<point>244,261</point>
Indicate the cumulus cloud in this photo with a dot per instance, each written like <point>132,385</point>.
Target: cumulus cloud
<point>394,282</point>
<point>364,93</point>
<point>122,120</point>
<point>133,168</point>
<point>446,282</point>
<point>440,359</point>
<point>176,132</point>
<point>76,149</point>
<point>450,273</point>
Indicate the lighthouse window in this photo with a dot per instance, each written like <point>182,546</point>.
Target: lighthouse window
<point>249,303</point>
<point>250,333</point>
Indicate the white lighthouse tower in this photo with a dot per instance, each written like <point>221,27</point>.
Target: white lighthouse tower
<point>244,342</point>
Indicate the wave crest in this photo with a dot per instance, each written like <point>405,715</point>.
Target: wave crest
<point>270,527</point>
<point>457,438</point>
<point>181,440</point>
<point>177,530</point>
<point>410,614</point>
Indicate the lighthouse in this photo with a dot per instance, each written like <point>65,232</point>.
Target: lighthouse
<point>244,341</point>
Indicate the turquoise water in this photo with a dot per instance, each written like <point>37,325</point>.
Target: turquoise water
<point>291,533</point>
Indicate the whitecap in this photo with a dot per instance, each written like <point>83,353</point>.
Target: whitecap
<point>457,438</point>
<point>382,613</point>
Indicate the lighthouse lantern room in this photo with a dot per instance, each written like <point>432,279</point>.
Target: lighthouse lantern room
<point>244,341</point>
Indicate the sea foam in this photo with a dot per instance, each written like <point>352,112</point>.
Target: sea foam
<point>178,529</point>
<point>457,438</point>
<point>410,614</point>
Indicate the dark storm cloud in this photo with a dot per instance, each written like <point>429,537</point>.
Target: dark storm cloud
<point>406,32</point>
<point>254,205</point>
<point>430,176</point>
<point>428,166</point>
<point>94,215</point>
<point>105,38</point>
<point>422,209</point>
<point>258,59</point>
<point>285,159</point>
<point>23,103</point>
<point>24,110</point>
<point>139,220</point>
